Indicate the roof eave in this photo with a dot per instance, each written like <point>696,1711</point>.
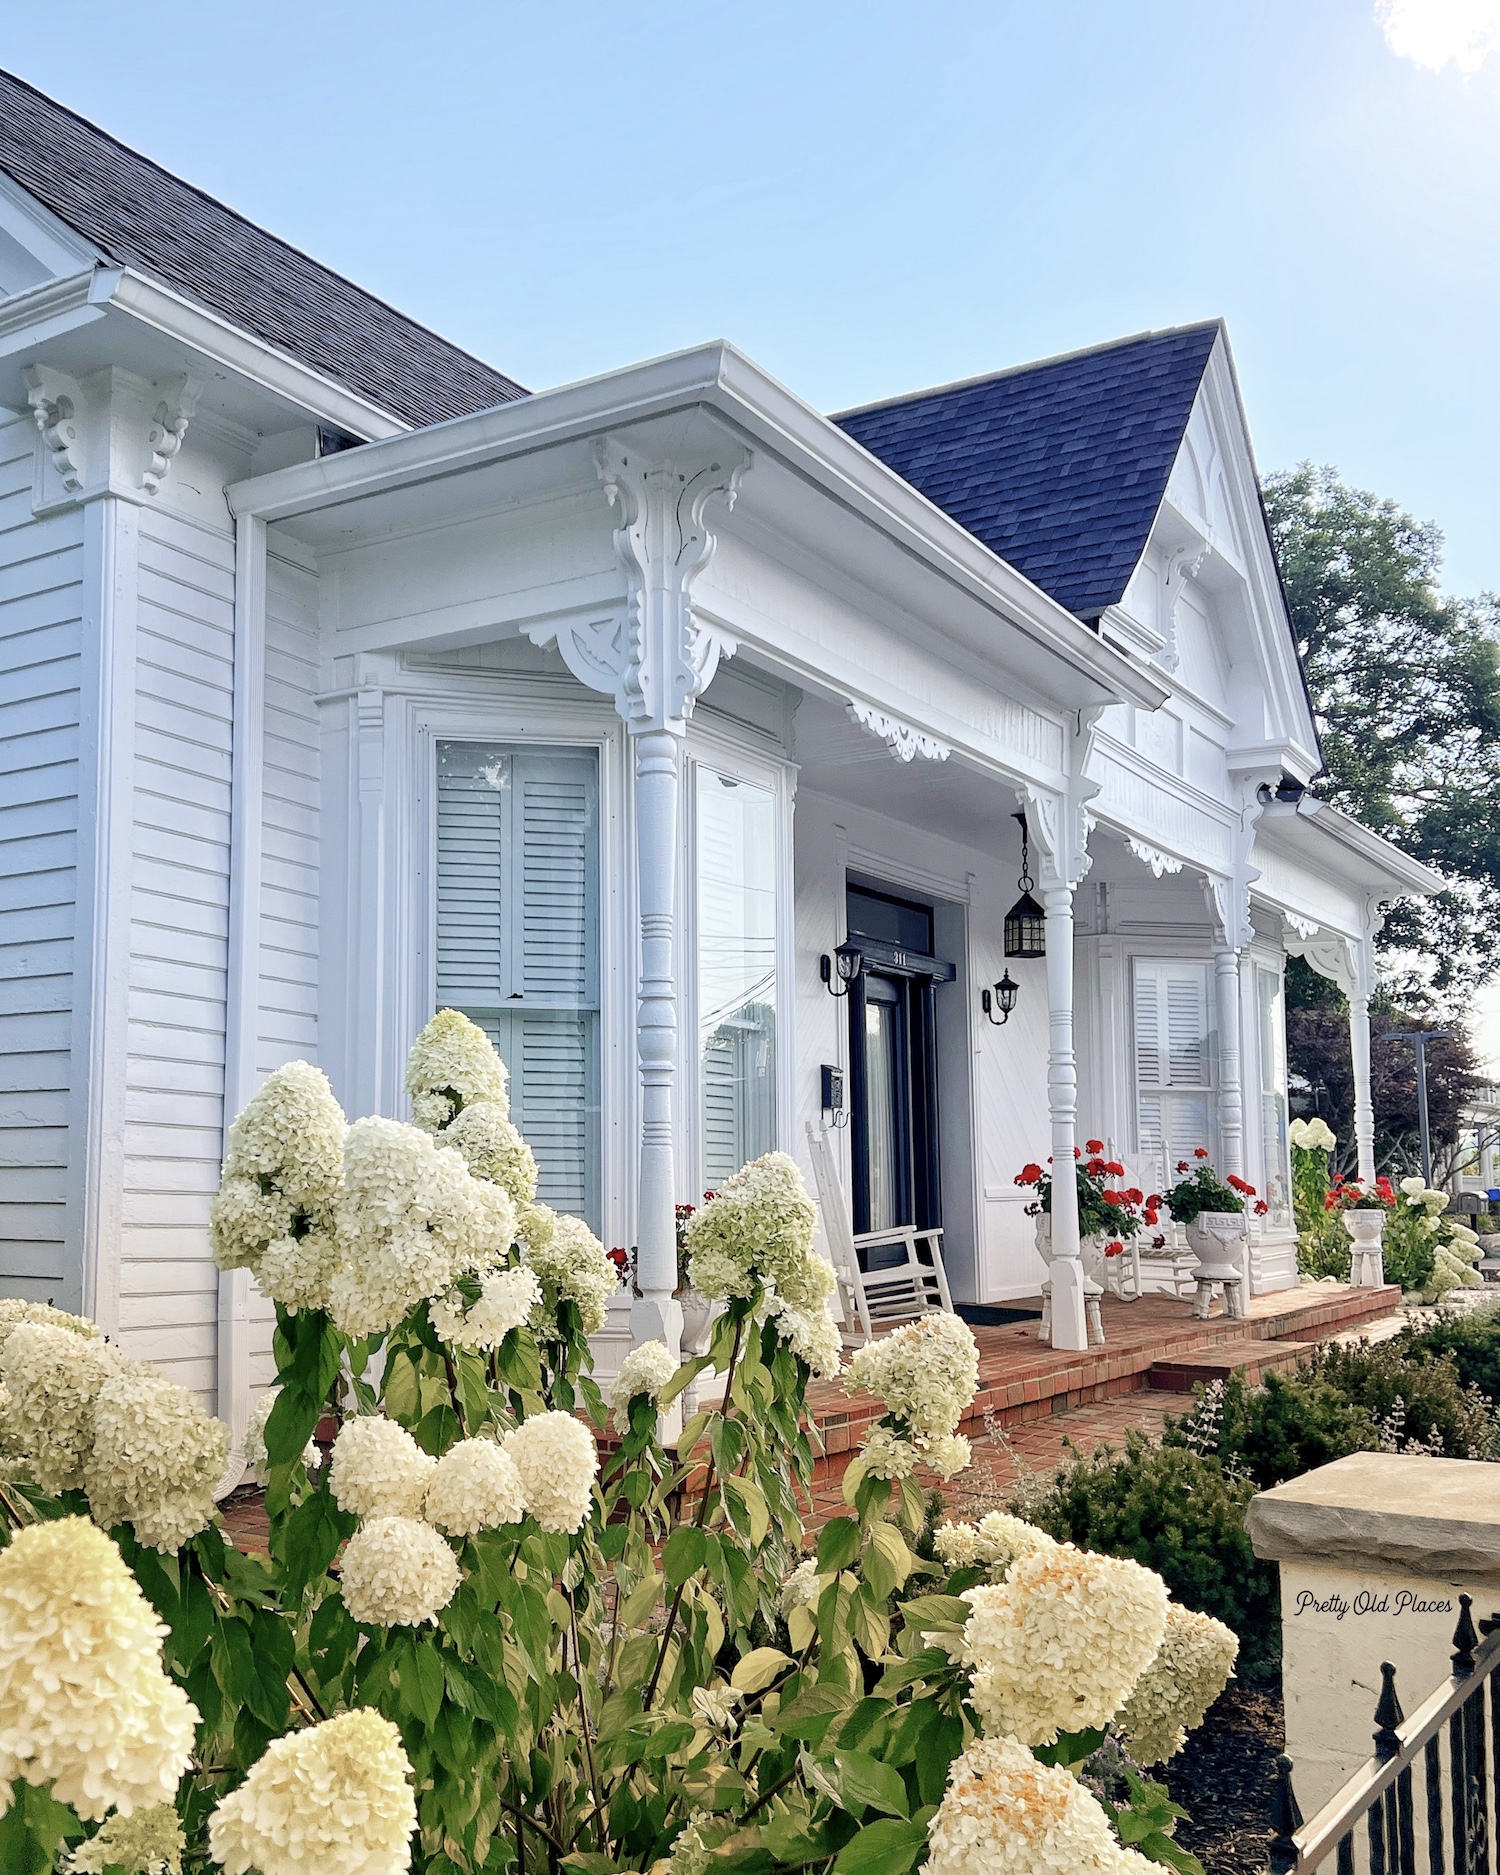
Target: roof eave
<point>766,413</point>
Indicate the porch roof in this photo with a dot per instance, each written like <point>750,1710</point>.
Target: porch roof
<point>1060,466</point>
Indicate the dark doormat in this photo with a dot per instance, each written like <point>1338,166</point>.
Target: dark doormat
<point>993,1315</point>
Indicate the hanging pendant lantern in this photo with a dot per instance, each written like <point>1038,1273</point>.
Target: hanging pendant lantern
<point>1025,922</point>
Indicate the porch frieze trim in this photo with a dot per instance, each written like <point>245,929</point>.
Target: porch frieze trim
<point>1158,861</point>
<point>903,741</point>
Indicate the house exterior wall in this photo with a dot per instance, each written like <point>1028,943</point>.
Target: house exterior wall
<point>42,675</point>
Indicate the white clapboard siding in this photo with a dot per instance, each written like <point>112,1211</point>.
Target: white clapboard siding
<point>41,566</point>
<point>178,945</point>
<point>518,941</point>
<point>288,1024</point>
<point>1173,1064</point>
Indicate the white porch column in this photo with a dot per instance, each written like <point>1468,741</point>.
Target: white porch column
<point>658,771</point>
<point>1069,1317</point>
<point>1231,1094</point>
<point>654,658</point>
<point>1359,1055</point>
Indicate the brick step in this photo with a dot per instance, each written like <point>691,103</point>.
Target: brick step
<point>1251,1360</point>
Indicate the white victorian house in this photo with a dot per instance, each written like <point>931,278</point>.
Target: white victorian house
<point>344,681</point>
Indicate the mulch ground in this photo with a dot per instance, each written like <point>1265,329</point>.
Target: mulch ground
<point>1224,1777</point>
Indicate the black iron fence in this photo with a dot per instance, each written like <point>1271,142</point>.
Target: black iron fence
<point>1428,1801</point>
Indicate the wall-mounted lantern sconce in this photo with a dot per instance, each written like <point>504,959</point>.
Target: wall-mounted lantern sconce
<point>850,963</point>
<point>1005,996</point>
<point>1025,922</point>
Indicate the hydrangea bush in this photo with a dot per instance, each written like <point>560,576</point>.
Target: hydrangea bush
<point>506,1626</point>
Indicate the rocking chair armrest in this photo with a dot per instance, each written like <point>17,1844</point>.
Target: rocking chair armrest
<point>875,1239</point>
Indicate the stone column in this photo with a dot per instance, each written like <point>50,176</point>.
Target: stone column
<point>1231,1097</point>
<point>1374,1551</point>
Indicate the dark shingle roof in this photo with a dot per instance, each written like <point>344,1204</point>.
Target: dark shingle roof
<point>1059,467</point>
<point>145,218</point>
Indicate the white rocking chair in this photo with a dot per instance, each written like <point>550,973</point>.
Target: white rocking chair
<point>901,1292</point>
<point>1125,1276</point>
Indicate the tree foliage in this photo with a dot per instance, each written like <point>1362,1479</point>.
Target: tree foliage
<point>1405,684</point>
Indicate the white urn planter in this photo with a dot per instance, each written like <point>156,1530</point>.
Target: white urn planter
<point>1218,1240</point>
<point>697,1319</point>
<point>1091,1255</point>
<point>1367,1261</point>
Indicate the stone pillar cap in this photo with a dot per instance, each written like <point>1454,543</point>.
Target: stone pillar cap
<point>1376,1510</point>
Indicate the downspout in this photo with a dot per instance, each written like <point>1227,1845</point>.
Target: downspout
<point>242,1005</point>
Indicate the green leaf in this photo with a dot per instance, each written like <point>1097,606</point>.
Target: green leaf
<point>32,1829</point>
<point>866,1780</point>
<point>935,1611</point>
<point>838,1544</point>
<point>752,1506</point>
<point>310,1538</point>
<point>1071,1748</point>
<point>684,1377</point>
<point>422,1679</point>
<point>926,1665</point>
<point>684,1554</point>
<point>889,1847</point>
<point>887,1561</point>
<point>639,1603</point>
<point>755,1671</point>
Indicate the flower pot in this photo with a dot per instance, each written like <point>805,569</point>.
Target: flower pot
<point>697,1315</point>
<point>1367,1264</point>
<point>1218,1241</point>
<point>1091,1249</point>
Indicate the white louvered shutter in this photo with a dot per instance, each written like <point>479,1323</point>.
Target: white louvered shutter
<point>518,941</point>
<point>1173,1064</point>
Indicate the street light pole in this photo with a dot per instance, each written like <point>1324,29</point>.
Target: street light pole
<point>1419,1039</point>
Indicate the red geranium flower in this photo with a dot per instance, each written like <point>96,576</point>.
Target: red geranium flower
<point>1151,1216</point>
<point>1158,1242</point>
<point>1261,1207</point>
<point>1330,1203</point>
<point>1134,1195</point>
<point>1076,1153</point>
<point>1111,1197</point>
<point>1096,1168</point>
<point>1114,1168</point>
<point>1114,1249</point>
<point>1093,1145</point>
<point>1182,1165</point>
<point>1236,1183</point>
<point>1200,1152</point>
<point>1030,1175</point>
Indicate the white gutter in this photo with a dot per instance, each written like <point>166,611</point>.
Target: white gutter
<point>722,380</point>
<point>60,306</point>
<point>1369,859</point>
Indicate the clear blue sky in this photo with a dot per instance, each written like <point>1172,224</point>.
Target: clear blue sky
<point>870,198</point>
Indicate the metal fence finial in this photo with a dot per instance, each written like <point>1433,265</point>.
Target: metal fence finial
<point>1388,1714</point>
<point>1465,1640</point>
<point>1286,1817</point>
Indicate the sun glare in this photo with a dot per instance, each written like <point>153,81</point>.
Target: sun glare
<point>1437,33</point>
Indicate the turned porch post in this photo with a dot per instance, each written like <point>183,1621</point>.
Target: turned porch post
<point>654,657</point>
<point>1231,1093</point>
<point>1359,1054</point>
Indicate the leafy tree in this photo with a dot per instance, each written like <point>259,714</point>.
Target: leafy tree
<point>1405,684</point>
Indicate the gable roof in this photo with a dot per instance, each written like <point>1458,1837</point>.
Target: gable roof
<point>141,216</point>
<point>1059,467</point>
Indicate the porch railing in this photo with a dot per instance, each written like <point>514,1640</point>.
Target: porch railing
<point>1428,1801</point>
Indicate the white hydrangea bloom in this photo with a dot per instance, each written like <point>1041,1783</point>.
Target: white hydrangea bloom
<point>298,1272</point>
<point>410,1219</point>
<point>811,1334</point>
<point>378,1469</point>
<point>887,1454</point>
<point>475,1487</point>
<point>1005,1814</point>
<point>84,1703</point>
<point>1312,1135</point>
<point>147,1842</point>
<point>335,1799</point>
<point>993,1544</point>
<point>572,1265</point>
<point>453,1063</point>
<point>493,1149</point>
<point>1171,1698</point>
<point>506,1299</point>
<point>54,1377</point>
<point>281,1181</point>
<point>13,1312</point>
<point>926,1372</point>
<point>802,1587</point>
<point>397,1572</point>
<point>949,1455</point>
<point>759,1227</point>
<point>645,1369</point>
<point>557,1459</point>
<point>257,1459</point>
<point>715,1706</point>
<point>690,1855</point>
<point>1059,1644</point>
<point>155,1460</point>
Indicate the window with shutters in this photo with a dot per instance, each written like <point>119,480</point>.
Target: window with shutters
<point>736,929</point>
<point>1174,1073</point>
<point>518,941</point>
<point>1273,1119</point>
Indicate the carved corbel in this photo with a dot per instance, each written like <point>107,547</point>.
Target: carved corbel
<point>58,407</point>
<point>656,656</point>
<point>1183,564</point>
<point>903,741</point>
<point>175,407</point>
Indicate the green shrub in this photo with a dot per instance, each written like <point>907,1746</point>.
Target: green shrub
<point>1277,1431</point>
<point>1471,1342</point>
<point>1180,1514</point>
<point>1408,1248</point>
<point>1414,1402</point>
